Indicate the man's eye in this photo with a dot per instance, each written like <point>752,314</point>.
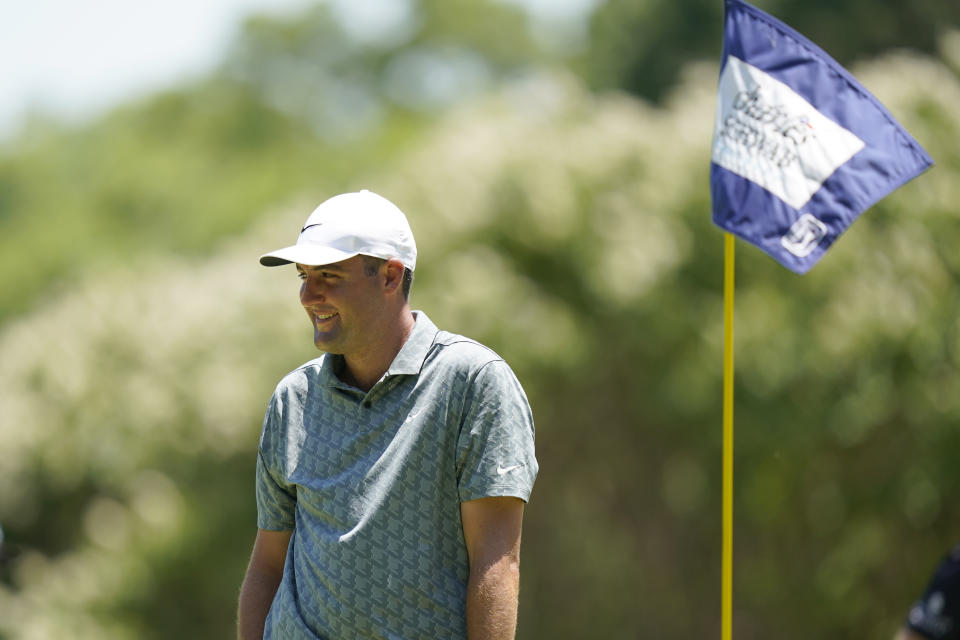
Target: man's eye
<point>301,275</point>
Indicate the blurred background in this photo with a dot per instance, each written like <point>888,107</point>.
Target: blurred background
<point>553,159</point>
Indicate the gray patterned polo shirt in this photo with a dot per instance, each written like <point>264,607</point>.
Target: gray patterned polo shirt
<point>371,485</point>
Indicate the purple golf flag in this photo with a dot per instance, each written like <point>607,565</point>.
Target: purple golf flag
<point>800,148</point>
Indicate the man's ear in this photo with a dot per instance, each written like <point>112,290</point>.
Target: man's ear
<point>393,273</point>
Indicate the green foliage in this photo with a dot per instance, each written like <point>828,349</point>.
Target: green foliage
<point>642,45</point>
<point>299,107</point>
<point>172,174</point>
<point>572,235</point>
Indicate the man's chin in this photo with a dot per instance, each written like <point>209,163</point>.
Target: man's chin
<point>327,347</point>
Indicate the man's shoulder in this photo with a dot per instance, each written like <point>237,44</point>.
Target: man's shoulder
<point>463,350</point>
<point>458,357</point>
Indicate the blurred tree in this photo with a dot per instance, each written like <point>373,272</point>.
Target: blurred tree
<point>641,46</point>
<point>344,72</point>
<point>301,104</point>
<point>571,233</point>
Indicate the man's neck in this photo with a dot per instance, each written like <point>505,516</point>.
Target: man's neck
<point>365,370</point>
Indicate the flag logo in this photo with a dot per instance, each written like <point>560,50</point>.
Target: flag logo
<point>804,236</point>
<point>800,148</point>
<point>768,134</point>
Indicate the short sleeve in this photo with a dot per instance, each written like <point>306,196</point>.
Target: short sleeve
<point>495,447</point>
<point>276,498</point>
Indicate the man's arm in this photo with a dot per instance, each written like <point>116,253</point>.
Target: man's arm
<point>491,530</point>
<point>260,584</point>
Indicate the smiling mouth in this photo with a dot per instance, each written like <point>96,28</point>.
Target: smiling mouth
<point>321,317</point>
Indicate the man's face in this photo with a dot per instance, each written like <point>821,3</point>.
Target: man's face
<point>345,305</point>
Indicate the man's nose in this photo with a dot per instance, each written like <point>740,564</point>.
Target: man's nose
<point>311,292</point>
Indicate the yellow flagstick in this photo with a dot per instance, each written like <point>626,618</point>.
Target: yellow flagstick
<point>726,617</point>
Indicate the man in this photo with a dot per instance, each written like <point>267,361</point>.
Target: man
<point>393,470</point>
<point>936,616</point>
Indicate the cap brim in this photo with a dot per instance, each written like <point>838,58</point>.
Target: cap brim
<point>304,254</point>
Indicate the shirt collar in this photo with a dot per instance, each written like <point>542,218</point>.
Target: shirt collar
<point>414,351</point>
<point>330,365</point>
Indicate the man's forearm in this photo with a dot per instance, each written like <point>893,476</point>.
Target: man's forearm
<point>256,596</point>
<point>492,597</point>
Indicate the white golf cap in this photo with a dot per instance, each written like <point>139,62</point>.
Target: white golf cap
<point>347,225</point>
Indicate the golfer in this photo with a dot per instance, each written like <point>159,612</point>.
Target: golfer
<point>393,470</point>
